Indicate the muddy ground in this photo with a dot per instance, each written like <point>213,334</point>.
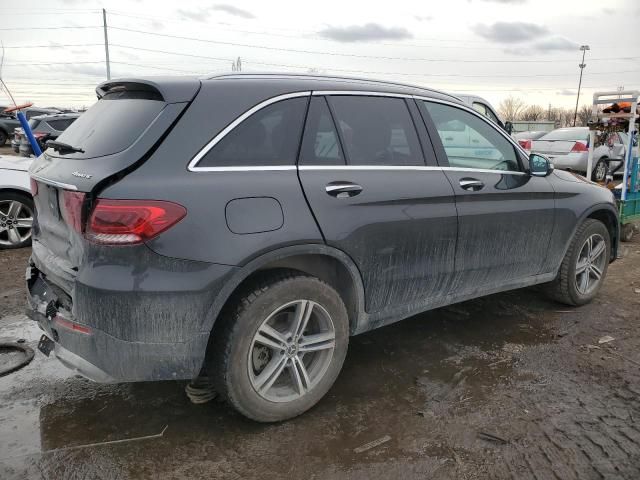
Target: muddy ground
<point>509,386</point>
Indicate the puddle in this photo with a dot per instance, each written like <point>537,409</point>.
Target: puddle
<point>406,381</point>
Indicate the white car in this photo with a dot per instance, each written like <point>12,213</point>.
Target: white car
<point>16,203</point>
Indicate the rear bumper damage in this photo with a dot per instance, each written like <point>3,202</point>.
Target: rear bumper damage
<point>109,332</point>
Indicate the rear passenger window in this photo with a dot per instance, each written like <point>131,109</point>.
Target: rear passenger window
<point>377,130</point>
<point>61,124</point>
<point>269,137</point>
<point>320,145</point>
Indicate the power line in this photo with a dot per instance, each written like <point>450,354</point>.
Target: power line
<point>56,45</point>
<point>256,62</point>
<point>353,55</point>
<point>26,29</point>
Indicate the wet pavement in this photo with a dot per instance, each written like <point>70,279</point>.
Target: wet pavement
<point>509,386</point>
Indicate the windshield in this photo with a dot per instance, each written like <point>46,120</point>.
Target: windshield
<point>568,134</point>
<point>110,126</point>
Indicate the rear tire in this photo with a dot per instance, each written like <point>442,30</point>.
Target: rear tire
<point>265,363</point>
<point>584,266</point>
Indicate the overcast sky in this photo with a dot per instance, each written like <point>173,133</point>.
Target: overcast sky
<point>493,48</point>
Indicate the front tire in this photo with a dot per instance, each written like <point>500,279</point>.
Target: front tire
<point>280,347</point>
<point>599,173</point>
<point>16,220</point>
<point>584,266</point>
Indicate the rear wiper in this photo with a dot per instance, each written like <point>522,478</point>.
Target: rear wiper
<point>62,147</point>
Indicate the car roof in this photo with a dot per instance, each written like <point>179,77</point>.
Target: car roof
<point>316,82</point>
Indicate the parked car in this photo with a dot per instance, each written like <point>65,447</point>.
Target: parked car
<point>247,225</point>
<point>16,204</point>
<point>525,139</point>
<point>568,149</point>
<point>9,122</point>
<point>44,127</point>
<point>485,108</point>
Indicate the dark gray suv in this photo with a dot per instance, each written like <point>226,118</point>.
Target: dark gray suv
<point>245,226</point>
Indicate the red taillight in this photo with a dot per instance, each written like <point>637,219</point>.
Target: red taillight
<point>579,147</point>
<point>72,211</point>
<point>127,222</point>
<point>526,144</point>
<point>34,187</point>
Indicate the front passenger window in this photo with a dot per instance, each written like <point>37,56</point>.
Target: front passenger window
<point>471,142</point>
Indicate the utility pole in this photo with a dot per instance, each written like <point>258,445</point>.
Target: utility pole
<point>106,43</point>
<point>584,49</point>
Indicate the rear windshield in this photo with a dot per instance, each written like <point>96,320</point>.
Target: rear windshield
<point>567,134</point>
<point>110,126</point>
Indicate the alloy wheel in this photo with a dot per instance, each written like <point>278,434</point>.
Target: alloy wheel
<point>590,264</point>
<point>16,220</point>
<point>291,351</point>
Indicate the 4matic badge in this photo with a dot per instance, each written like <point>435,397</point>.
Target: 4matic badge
<point>81,175</point>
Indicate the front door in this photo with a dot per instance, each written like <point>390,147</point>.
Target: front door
<point>375,199</point>
<point>505,215</point>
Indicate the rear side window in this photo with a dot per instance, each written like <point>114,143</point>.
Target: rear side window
<point>111,125</point>
<point>269,137</point>
<point>569,134</point>
<point>321,144</point>
<point>377,130</point>
<point>61,124</point>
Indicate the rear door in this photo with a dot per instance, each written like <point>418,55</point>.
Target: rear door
<point>364,174</point>
<point>505,216</point>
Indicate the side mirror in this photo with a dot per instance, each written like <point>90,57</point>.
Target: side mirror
<point>539,165</point>
<point>508,126</point>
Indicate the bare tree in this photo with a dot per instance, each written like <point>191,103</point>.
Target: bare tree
<point>510,108</point>
<point>533,113</point>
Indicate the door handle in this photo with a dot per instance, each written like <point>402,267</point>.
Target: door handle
<point>471,184</point>
<point>343,189</point>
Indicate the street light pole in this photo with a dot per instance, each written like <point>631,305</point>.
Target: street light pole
<point>584,49</point>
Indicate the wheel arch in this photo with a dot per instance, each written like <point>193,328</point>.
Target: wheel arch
<point>327,263</point>
<point>606,214</point>
<point>15,190</point>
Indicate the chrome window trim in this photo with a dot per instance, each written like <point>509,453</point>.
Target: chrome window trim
<point>249,168</point>
<point>66,186</point>
<point>406,167</point>
<point>192,167</point>
<point>193,164</point>
<point>362,93</point>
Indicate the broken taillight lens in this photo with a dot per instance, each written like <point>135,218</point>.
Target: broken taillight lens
<point>72,209</point>
<point>34,187</point>
<point>128,222</point>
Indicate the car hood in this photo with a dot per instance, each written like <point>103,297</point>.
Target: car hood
<point>15,163</point>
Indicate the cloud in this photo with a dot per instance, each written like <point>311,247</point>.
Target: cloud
<point>232,10</point>
<point>423,18</point>
<point>198,15</point>
<point>514,2</point>
<point>157,25</point>
<point>608,11</point>
<point>365,33</point>
<point>567,92</point>
<point>80,69</point>
<point>555,44</point>
<point>510,32</point>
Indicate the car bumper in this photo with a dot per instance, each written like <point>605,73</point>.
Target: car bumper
<point>127,336</point>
